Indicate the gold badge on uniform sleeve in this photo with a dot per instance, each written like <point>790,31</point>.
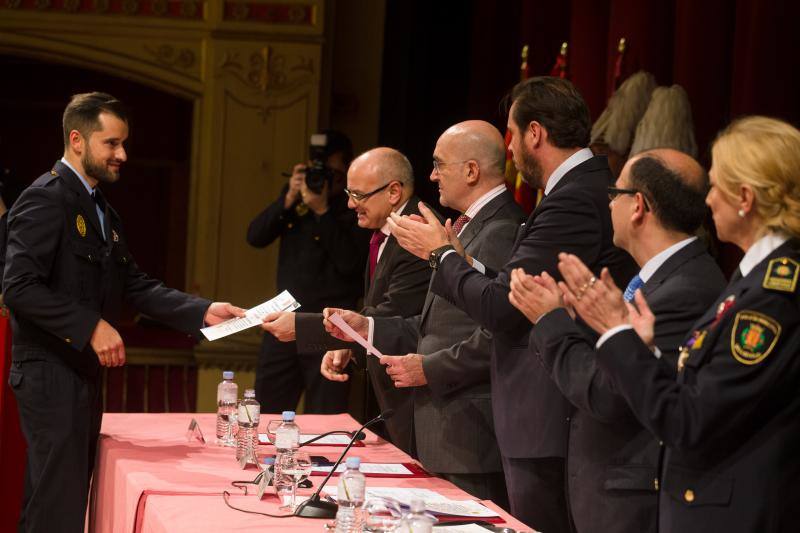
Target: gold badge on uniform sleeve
<point>80,223</point>
<point>781,275</point>
<point>753,336</point>
<point>114,236</point>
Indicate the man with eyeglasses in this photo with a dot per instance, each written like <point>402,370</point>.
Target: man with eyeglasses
<point>320,260</point>
<point>443,354</point>
<point>657,206</point>
<point>379,182</point>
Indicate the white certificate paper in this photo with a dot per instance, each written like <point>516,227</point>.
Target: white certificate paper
<point>339,322</point>
<point>253,317</point>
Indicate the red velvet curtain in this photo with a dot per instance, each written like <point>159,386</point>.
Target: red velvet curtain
<point>733,57</point>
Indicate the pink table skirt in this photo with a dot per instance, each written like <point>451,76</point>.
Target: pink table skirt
<point>150,479</point>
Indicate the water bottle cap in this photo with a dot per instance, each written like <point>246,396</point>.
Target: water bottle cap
<point>417,506</point>
<point>353,462</point>
<point>228,374</point>
<point>288,416</point>
<point>269,461</point>
<point>250,393</point>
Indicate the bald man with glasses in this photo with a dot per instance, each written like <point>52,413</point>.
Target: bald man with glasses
<point>379,182</point>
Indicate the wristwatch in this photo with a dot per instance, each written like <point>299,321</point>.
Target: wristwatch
<point>436,255</point>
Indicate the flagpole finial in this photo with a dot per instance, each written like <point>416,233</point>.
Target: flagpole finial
<point>621,45</point>
<point>564,47</point>
<point>525,53</point>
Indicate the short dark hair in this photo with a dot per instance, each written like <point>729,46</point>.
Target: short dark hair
<point>339,143</point>
<point>678,205</point>
<point>555,104</point>
<point>83,112</point>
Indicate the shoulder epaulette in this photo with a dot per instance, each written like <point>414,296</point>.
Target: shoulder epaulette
<point>781,275</point>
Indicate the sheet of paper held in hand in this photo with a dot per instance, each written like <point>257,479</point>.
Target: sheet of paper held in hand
<point>339,322</point>
<point>253,317</point>
<point>434,502</point>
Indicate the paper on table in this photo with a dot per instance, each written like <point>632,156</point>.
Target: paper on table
<point>403,496</point>
<point>434,502</point>
<point>372,468</point>
<point>339,322</point>
<point>330,440</point>
<point>460,508</point>
<point>466,528</point>
<point>253,317</point>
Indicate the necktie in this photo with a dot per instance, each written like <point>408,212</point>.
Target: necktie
<point>630,290</point>
<point>459,224</point>
<point>100,202</point>
<point>374,245</point>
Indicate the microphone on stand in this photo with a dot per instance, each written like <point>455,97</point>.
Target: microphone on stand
<point>314,507</point>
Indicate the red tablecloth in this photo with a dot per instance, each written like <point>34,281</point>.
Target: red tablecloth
<point>150,479</point>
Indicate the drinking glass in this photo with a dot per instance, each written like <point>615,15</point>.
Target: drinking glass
<point>297,467</point>
<point>382,515</point>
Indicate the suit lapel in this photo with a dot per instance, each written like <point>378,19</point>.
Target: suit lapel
<point>674,262</point>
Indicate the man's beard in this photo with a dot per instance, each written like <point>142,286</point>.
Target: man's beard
<point>531,170</point>
<point>100,172</point>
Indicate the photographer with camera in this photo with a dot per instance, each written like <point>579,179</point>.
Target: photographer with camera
<point>321,260</point>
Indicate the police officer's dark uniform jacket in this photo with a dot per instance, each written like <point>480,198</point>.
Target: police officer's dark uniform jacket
<point>61,276</point>
<point>731,421</point>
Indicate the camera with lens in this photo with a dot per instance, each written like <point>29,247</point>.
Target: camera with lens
<point>317,172</point>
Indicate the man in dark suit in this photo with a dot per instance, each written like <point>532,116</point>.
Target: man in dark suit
<point>67,270</point>
<point>379,182</point>
<point>320,261</point>
<point>549,123</point>
<point>612,461</point>
<point>449,369</point>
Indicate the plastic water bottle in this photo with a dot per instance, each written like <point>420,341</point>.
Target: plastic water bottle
<point>248,416</point>
<point>417,521</point>
<point>227,394</point>
<point>287,436</point>
<point>350,497</point>
<point>287,441</point>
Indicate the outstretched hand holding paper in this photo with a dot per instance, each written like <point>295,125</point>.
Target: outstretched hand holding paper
<point>253,317</point>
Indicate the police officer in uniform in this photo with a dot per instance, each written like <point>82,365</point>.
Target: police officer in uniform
<point>731,421</point>
<point>67,270</point>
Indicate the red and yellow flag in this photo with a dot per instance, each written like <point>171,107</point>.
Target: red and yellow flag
<point>524,195</point>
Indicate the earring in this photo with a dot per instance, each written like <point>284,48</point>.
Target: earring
<point>741,213</point>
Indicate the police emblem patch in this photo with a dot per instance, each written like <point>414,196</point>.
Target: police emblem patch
<point>80,223</point>
<point>753,337</point>
<point>781,275</point>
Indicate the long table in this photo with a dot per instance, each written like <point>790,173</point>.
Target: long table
<point>149,478</point>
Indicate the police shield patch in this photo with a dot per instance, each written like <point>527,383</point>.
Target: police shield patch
<point>753,336</point>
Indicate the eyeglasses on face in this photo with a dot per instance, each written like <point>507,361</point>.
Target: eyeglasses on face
<point>361,196</point>
<point>437,165</point>
<point>613,192</point>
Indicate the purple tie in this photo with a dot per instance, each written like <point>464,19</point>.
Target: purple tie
<point>460,223</point>
<point>374,245</point>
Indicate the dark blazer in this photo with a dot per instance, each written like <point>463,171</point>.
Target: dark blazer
<point>453,426</point>
<point>61,276</point>
<point>321,258</point>
<point>612,461</point>
<point>398,288</point>
<point>730,421</point>
<point>529,411</point>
